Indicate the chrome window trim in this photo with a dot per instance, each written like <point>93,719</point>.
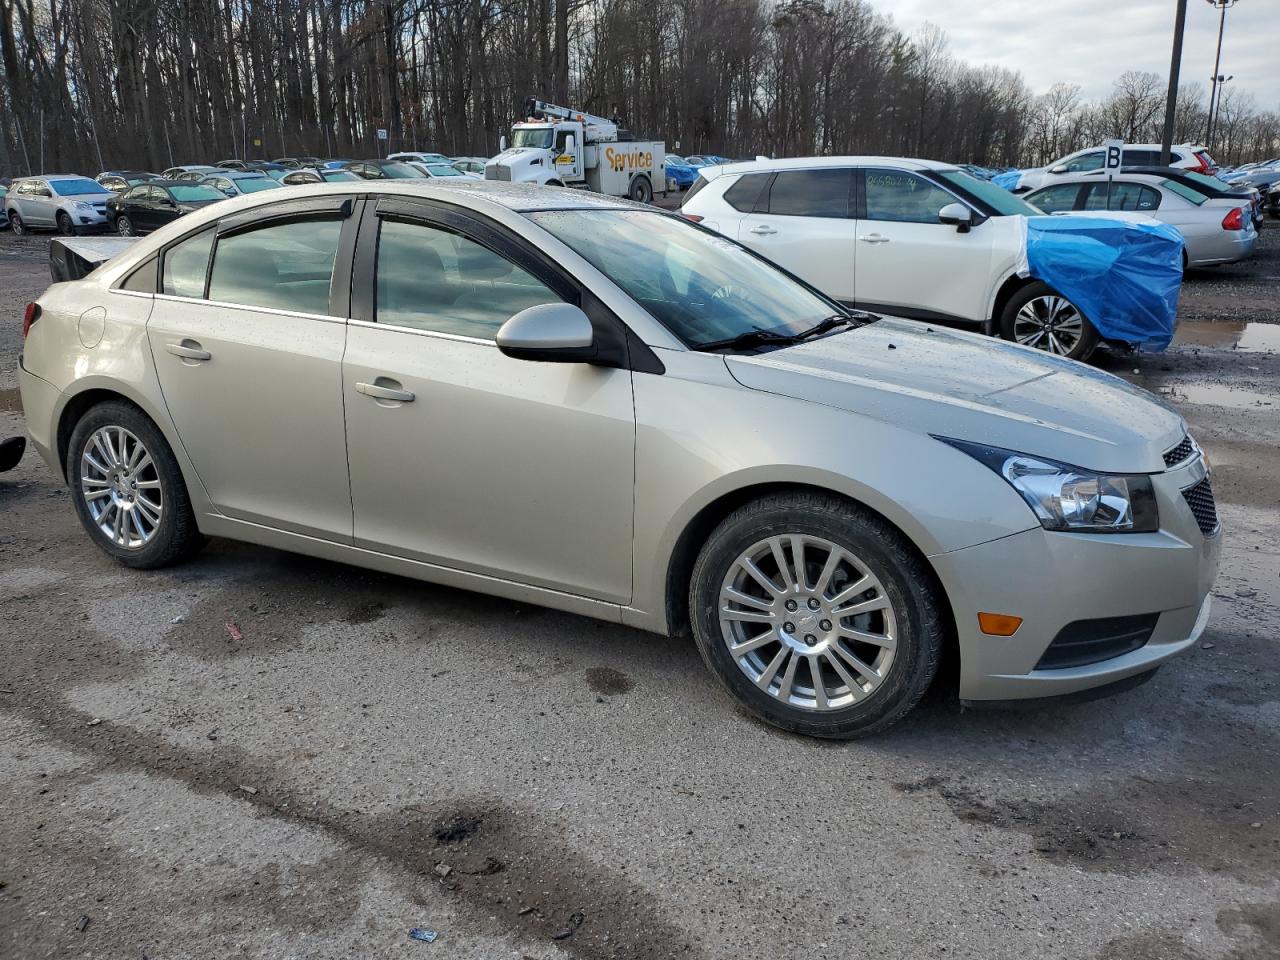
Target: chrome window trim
<point>436,334</point>
<point>138,293</point>
<point>246,307</point>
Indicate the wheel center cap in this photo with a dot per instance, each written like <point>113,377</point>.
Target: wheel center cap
<point>806,620</point>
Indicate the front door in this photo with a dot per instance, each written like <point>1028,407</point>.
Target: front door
<point>459,454</point>
<point>801,221</point>
<point>250,364</point>
<point>910,263</point>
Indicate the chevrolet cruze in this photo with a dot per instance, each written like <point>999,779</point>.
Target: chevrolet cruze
<point>597,406</point>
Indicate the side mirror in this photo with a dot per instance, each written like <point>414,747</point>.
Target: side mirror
<point>956,215</point>
<point>1060,168</point>
<point>551,332</point>
<point>569,143</point>
<point>502,144</point>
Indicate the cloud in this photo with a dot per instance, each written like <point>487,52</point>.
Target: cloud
<point>1091,42</point>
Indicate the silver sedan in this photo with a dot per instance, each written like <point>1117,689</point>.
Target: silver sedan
<point>596,406</point>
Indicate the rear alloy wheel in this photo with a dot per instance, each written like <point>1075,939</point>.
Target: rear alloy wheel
<point>641,191</point>
<point>1038,316</point>
<point>124,226</point>
<point>128,489</point>
<point>816,615</point>
<point>65,226</point>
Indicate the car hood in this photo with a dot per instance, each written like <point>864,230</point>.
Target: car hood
<point>969,387</point>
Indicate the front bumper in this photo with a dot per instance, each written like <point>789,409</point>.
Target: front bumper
<point>1055,579</point>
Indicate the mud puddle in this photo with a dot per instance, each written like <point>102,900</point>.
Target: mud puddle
<point>1250,337</point>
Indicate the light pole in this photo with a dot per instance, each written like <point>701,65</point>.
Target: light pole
<point>1222,6</point>
<point>1175,65</point>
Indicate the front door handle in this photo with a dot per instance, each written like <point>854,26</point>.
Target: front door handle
<point>873,238</point>
<point>762,230</point>
<point>380,392</point>
<point>188,350</point>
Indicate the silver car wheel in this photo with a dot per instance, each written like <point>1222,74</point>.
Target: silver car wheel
<point>1049,323</point>
<point>121,487</point>
<point>795,598</point>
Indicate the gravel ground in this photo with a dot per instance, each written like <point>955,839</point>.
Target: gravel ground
<point>364,754</point>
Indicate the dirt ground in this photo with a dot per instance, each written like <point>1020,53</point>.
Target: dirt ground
<point>363,755</point>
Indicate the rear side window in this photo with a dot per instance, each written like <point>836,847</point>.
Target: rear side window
<point>282,266</point>
<point>811,193</point>
<point>1056,198</point>
<point>432,279</point>
<point>185,266</point>
<point>1129,197</point>
<point>743,194</point>
<point>1140,158</point>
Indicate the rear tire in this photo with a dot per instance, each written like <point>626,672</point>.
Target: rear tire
<point>124,226</point>
<point>641,190</point>
<point>1038,316</point>
<point>124,477</point>
<point>795,636</point>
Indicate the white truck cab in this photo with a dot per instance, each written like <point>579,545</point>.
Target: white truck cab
<point>559,146</point>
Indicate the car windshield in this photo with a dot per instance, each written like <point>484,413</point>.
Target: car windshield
<point>672,158</point>
<point>254,184</point>
<point>532,137</point>
<point>1209,181</point>
<point>699,285</point>
<point>338,175</point>
<point>443,170</point>
<point>999,199</point>
<point>193,192</point>
<point>141,178</point>
<point>80,187</point>
<point>402,171</point>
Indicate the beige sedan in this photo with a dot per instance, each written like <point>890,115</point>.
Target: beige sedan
<point>597,406</point>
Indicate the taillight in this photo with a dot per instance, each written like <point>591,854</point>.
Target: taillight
<point>693,217</point>
<point>1201,166</point>
<point>1234,220</point>
<point>29,317</point>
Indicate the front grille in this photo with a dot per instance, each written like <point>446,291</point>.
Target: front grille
<point>1092,641</point>
<point>497,173</point>
<point>1183,451</point>
<point>1199,498</point>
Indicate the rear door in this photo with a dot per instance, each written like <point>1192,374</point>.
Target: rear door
<point>909,263</point>
<point>801,221</point>
<point>247,337</point>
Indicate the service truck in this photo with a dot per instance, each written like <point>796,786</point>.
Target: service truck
<point>563,147</point>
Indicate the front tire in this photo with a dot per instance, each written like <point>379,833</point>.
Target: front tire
<point>128,489</point>
<point>816,615</point>
<point>65,226</point>
<point>1038,316</point>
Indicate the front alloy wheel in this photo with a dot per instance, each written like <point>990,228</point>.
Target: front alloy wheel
<point>816,614</point>
<point>1040,317</point>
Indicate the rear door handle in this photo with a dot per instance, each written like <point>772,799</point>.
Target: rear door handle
<point>873,238</point>
<point>762,230</point>
<point>379,392</point>
<point>188,350</point>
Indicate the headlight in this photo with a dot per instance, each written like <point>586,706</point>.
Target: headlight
<point>1069,498</point>
<point>84,205</point>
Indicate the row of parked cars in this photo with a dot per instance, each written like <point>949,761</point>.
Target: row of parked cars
<point>131,202</point>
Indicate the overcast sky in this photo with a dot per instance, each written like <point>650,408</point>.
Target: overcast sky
<point>1091,42</point>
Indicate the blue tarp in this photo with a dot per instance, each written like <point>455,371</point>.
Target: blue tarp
<point>1124,276</point>
<point>1008,179</point>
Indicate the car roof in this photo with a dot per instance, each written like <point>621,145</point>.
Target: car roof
<point>243,174</point>
<point>56,176</point>
<point>811,163</point>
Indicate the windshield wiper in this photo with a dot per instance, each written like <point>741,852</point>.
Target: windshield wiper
<point>827,325</point>
<point>744,341</point>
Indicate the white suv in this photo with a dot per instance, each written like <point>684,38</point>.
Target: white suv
<point>1184,155</point>
<point>67,203</point>
<point>913,238</point>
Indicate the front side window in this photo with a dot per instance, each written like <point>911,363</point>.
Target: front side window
<point>811,193</point>
<point>699,285</point>
<point>898,196</point>
<point>186,264</point>
<point>137,194</point>
<point>429,278</point>
<point>1130,197</point>
<point>282,266</point>
<point>1055,199</point>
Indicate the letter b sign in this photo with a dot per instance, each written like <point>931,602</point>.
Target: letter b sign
<point>1114,153</point>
